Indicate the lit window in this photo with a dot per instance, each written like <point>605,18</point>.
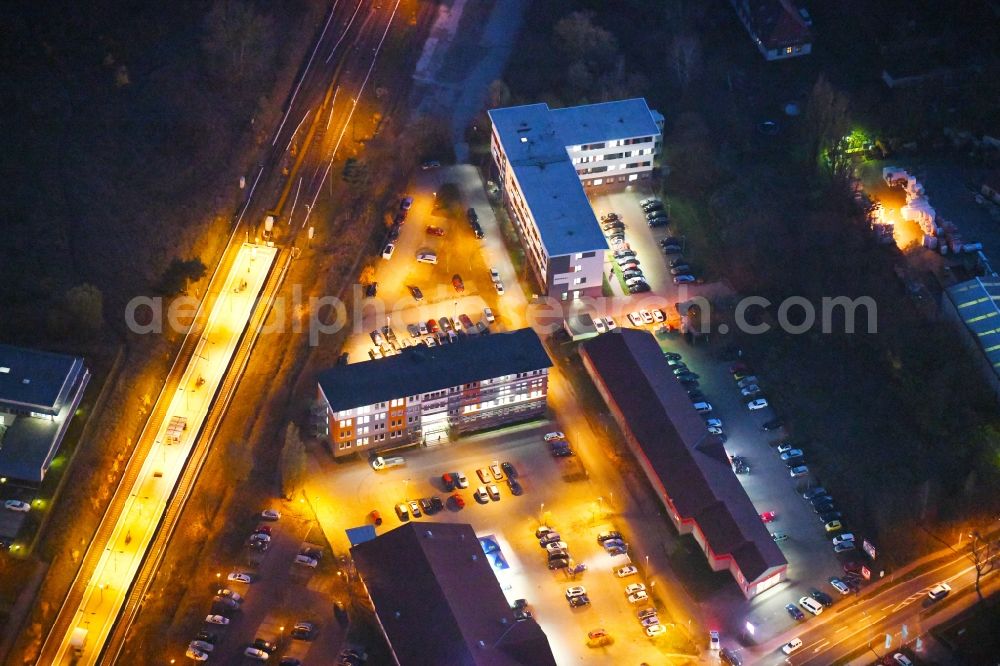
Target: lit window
<point>524,139</point>
<point>5,371</point>
<point>788,49</point>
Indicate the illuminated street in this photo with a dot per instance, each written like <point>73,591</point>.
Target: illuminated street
<point>106,589</point>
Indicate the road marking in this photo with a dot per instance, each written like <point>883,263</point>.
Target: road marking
<point>843,628</point>
<point>885,607</point>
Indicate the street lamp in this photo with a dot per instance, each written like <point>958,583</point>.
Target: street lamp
<point>282,638</point>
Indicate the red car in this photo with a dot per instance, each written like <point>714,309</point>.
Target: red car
<point>432,326</point>
<point>738,367</point>
<point>456,282</point>
<point>459,502</point>
<point>435,231</point>
<point>768,516</point>
<point>376,517</point>
<point>263,529</point>
<point>466,322</point>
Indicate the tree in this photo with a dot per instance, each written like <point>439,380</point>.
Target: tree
<point>685,57</point>
<point>983,551</point>
<point>581,40</point>
<point>499,94</point>
<point>179,273</point>
<point>293,462</point>
<point>826,121</point>
<point>237,40</point>
<point>84,306</point>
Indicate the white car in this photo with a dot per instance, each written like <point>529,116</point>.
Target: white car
<point>647,316</point>
<point>658,315</point>
<point>939,591</point>
<point>840,586</point>
<point>635,318</point>
<point>461,481</point>
<point>494,275</point>
<point>217,619</point>
<point>575,591</point>
<point>239,577</point>
<point>229,594</point>
<point>427,258</point>
<point>902,659</point>
<point>270,514</point>
<point>254,653</point>
<point>713,423</point>
<point>759,403</point>
<point>306,561</point>
<point>201,646</point>
<point>796,472</point>
<point>599,325</point>
<point>195,654</point>
<point>811,605</point>
<point>610,323</point>
<point>625,572</point>
<point>785,447</point>
<point>554,436</point>
<point>747,381</point>
<point>17,505</point>
<point>753,389</point>
<point>655,630</point>
<point>635,588</point>
<point>637,597</point>
<point>715,430</point>
<point>713,640</point>
<point>703,407</point>
<point>498,285</point>
<point>791,646</point>
<point>843,538</point>
<point>556,545</point>
<point>388,250</point>
<point>488,313</point>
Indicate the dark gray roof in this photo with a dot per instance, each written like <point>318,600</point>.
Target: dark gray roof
<point>691,464</point>
<point>422,369</point>
<point>439,602</point>
<point>35,380</point>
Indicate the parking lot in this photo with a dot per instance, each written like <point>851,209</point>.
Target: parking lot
<point>557,491</point>
<point>806,545</point>
<point>281,594</point>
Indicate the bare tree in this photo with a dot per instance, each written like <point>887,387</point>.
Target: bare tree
<point>293,462</point>
<point>238,39</point>
<point>827,119</point>
<point>499,94</point>
<point>580,39</point>
<point>983,551</point>
<point>685,57</point>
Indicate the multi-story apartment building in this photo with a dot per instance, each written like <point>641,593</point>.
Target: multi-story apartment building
<point>422,394</point>
<point>776,26</point>
<point>542,157</point>
<point>39,393</point>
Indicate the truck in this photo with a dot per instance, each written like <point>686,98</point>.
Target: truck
<point>77,641</point>
<point>379,463</point>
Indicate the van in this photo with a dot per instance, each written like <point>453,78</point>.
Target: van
<point>403,512</point>
<point>811,605</point>
<point>383,463</point>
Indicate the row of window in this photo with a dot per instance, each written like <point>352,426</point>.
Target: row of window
<point>615,143</point>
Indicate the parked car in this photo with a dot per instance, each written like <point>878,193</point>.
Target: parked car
<point>217,619</point>
<point>255,653</point>
<point>637,597</point>
<point>791,453</point>
<point>683,279</point>
<point>794,611</point>
<point>773,424</point>
<point>625,572</point>
<point>17,505</point>
<point>811,605</point>
<point>839,585</point>
<point>796,472</point>
<point>759,403</point>
<point>435,231</point>
<point>270,514</point>
<point>239,577</point>
<point>822,597</point>
<point>427,257</point>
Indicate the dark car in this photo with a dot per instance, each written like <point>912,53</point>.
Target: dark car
<point>729,657</point>
<point>371,290</point>
<point>206,636</point>
<point>436,504</point>
<point>515,486</point>
<point>472,216</point>
<point>456,282</point>
<point>653,205</point>
<point>822,597</point>
<point>773,424</point>
<point>289,661</point>
<point>824,508</point>
<point>794,611</point>
<point>829,516</point>
<point>696,396</point>
<point>416,293</point>
<point>393,233</point>
<point>628,275</point>
<point>560,563</point>
<point>821,499</point>
<point>562,453</point>
<point>638,288</point>
<point>508,469</point>
<point>670,240</point>
<point>577,602</point>
<point>672,249</point>
<point>689,383</point>
<point>622,254</point>
<point>609,536</point>
<point>304,631</point>
<point>658,222</point>
<point>478,230</point>
<point>266,646</point>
